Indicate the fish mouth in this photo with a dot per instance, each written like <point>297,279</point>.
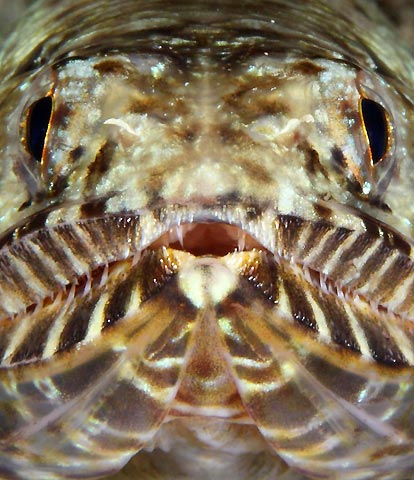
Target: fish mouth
<point>66,263</point>
<point>40,262</point>
<point>314,261</point>
<point>208,237</point>
<point>214,238</point>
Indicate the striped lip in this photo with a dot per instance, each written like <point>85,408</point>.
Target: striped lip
<point>336,264</point>
<point>64,260</point>
<point>37,264</point>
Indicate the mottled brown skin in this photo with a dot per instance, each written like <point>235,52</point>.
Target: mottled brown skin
<point>206,270</point>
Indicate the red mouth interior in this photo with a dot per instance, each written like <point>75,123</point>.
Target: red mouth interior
<point>217,239</point>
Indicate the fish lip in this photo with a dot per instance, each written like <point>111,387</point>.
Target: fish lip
<point>130,234</point>
<point>157,243</point>
<point>255,223</point>
<point>264,229</point>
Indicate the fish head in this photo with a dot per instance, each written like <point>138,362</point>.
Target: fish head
<point>203,222</point>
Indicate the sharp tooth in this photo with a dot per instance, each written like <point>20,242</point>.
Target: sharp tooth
<point>70,296</point>
<point>179,234</point>
<point>307,274</point>
<point>168,238</point>
<point>323,285</point>
<point>104,277</point>
<point>241,240</point>
<point>88,285</point>
<point>58,298</point>
<point>136,258</point>
<point>39,306</point>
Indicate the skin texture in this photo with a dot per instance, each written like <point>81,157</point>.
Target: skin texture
<point>400,12</point>
<point>206,263</point>
<point>10,13</point>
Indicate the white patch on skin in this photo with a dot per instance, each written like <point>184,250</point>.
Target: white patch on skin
<point>208,179</point>
<point>122,125</point>
<point>206,281</point>
<point>276,128</point>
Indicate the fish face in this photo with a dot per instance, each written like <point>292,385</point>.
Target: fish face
<point>207,246</point>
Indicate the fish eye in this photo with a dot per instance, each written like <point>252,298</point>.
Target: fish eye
<point>375,122</point>
<point>38,119</point>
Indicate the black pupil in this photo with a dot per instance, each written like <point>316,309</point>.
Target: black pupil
<point>38,123</point>
<point>376,125</point>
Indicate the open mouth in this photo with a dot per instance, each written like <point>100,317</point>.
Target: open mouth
<point>68,259</point>
<point>292,262</point>
<point>198,239</point>
<point>149,266</point>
